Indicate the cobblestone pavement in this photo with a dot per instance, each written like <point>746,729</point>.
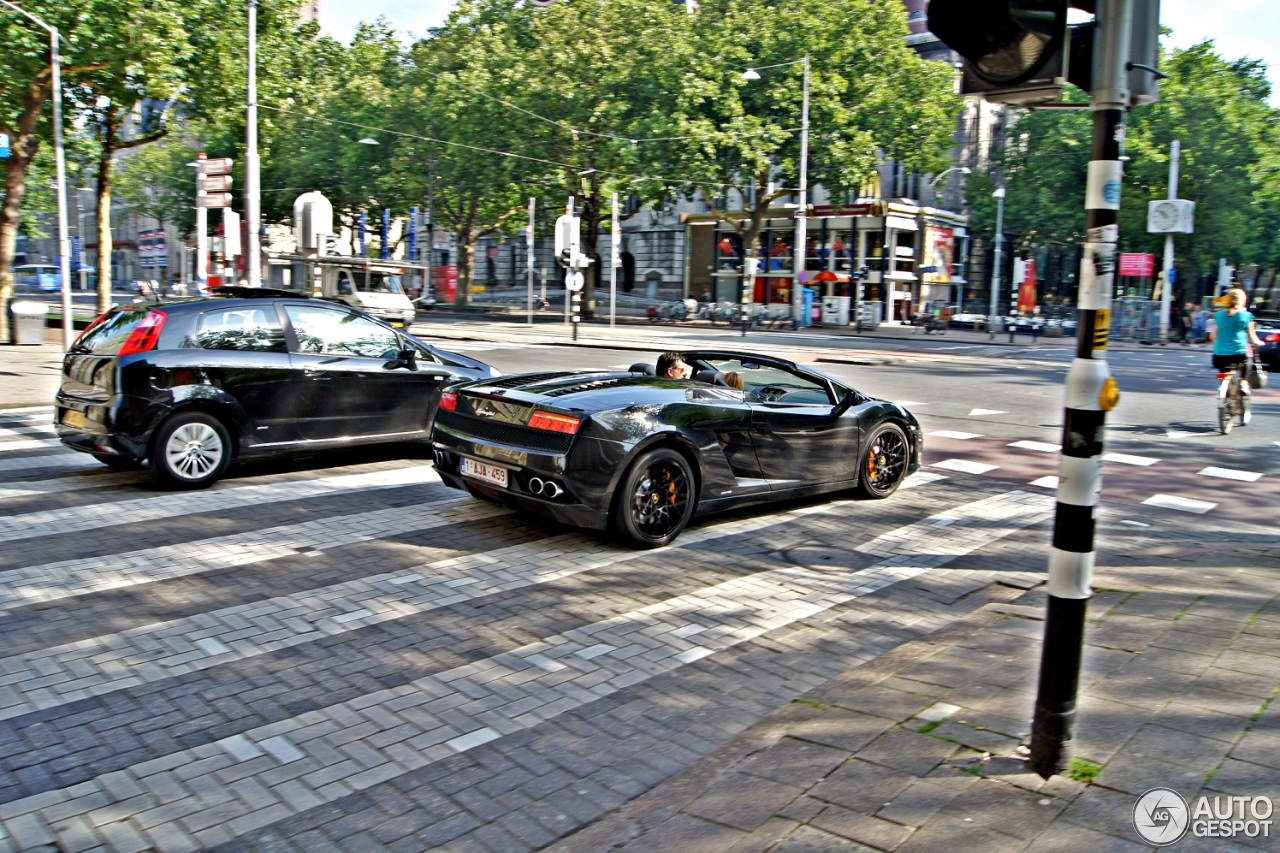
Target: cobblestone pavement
<point>354,657</point>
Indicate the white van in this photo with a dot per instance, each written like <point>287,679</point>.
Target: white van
<point>374,289</point>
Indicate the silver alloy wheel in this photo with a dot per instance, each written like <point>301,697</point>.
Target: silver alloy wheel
<point>194,450</point>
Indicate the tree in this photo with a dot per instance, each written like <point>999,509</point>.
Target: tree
<point>1219,112</point>
<point>128,99</point>
<point>606,74</point>
<point>26,82</point>
<point>465,144</point>
<point>871,97</point>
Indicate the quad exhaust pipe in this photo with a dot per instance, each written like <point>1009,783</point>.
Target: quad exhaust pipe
<point>546,488</point>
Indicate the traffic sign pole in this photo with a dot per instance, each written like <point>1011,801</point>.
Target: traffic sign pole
<point>202,227</point>
<point>1091,393</point>
<point>1175,150</point>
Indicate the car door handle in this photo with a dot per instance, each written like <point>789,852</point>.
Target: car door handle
<point>312,373</point>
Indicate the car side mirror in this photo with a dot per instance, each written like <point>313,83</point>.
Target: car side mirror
<point>406,358</point>
<point>850,399</point>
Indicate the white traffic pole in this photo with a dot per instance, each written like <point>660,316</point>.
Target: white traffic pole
<point>1175,151</point>
<point>615,237</point>
<point>528,238</point>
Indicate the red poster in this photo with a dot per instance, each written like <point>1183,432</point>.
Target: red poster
<point>1137,264</point>
<point>1027,290</point>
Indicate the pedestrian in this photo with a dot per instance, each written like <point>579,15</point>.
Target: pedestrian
<point>1186,320</point>
<point>1200,325</point>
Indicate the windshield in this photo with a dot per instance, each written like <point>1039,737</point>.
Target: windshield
<point>378,282</point>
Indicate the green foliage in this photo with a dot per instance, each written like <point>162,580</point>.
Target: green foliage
<point>1083,770</point>
<point>1230,162</point>
<point>870,95</point>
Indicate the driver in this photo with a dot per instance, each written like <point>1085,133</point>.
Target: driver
<point>671,365</point>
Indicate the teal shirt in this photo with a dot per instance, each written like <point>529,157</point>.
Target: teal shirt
<point>1231,332</point>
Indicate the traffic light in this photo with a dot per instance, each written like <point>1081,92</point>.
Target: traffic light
<point>1016,51</point>
<point>1025,51</point>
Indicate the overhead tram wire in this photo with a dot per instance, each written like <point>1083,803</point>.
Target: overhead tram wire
<point>483,150</point>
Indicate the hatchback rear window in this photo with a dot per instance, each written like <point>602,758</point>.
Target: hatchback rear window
<point>108,336</point>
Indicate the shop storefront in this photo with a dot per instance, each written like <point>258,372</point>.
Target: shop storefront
<point>887,258</point>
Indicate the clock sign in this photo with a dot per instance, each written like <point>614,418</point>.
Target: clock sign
<point>1170,216</point>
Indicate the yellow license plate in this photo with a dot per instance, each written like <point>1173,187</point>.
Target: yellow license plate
<point>73,419</point>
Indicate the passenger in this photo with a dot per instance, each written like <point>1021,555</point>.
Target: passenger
<point>671,365</point>
<point>734,380</point>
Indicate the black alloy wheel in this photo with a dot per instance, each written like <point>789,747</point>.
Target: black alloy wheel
<point>191,450</point>
<point>884,462</point>
<point>655,500</point>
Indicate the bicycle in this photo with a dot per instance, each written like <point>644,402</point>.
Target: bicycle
<point>1233,403</point>
<point>673,312</point>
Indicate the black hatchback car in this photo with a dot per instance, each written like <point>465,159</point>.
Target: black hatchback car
<point>190,385</point>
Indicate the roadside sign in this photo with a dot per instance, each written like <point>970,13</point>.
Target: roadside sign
<point>214,166</point>
<point>213,200</point>
<point>1137,263</point>
<point>217,183</point>
<point>4,145</point>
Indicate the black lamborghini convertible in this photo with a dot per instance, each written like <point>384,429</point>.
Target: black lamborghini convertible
<point>641,455</point>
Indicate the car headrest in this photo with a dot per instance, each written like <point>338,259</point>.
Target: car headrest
<point>643,367</point>
<point>711,377</point>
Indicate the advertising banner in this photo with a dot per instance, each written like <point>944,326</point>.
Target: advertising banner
<point>1027,289</point>
<point>939,254</point>
<point>152,249</point>
<point>1137,264</point>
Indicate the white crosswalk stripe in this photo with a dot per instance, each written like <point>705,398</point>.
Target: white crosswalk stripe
<point>98,665</point>
<point>456,710</point>
<point>55,522</point>
<point>52,581</point>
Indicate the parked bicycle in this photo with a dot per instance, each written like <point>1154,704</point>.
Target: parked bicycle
<point>725,314</point>
<point>1233,403</point>
<point>670,312</point>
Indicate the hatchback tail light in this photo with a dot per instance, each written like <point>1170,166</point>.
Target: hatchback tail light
<point>146,334</point>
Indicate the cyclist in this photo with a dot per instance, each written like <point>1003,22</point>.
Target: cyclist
<point>1231,332</point>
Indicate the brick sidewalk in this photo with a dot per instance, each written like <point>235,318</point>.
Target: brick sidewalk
<point>924,748</point>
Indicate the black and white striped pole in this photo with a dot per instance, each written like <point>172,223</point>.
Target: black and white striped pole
<point>1091,393</point>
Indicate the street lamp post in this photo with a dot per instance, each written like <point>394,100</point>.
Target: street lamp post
<point>995,273</point>
<point>64,240</point>
<point>252,208</point>
<point>964,170</point>
<point>800,248</point>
